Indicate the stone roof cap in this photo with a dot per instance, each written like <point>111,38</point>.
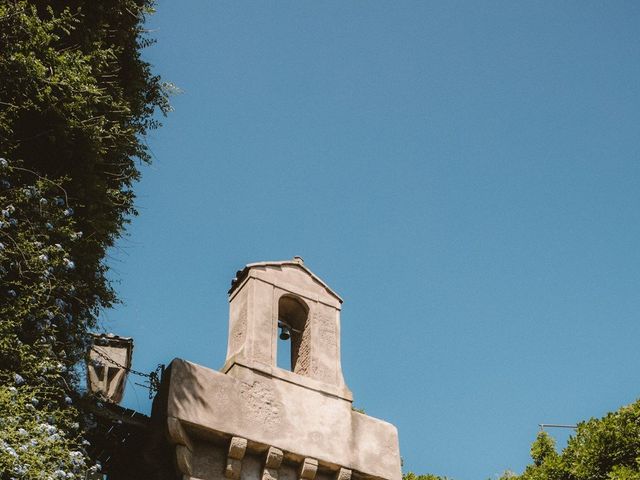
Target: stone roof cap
<point>296,261</point>
<point>111,336</point>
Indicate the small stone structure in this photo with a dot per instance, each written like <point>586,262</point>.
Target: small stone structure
<point>256,421</point>
<point>108,366</point>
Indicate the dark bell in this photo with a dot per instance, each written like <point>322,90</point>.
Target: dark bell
<point>284,333</point>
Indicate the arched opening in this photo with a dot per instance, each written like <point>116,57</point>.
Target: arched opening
<point>294,343</point>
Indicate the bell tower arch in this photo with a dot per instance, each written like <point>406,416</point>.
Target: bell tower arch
<point>272,302</point>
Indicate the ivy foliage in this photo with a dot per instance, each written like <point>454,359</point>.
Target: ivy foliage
<point>76,100</point>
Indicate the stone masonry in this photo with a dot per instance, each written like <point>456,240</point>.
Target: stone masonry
<point>255,421</point>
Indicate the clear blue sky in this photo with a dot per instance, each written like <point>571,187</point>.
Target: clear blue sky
<point>465,174</point>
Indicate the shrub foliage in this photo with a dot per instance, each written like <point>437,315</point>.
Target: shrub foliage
<point>76,100</point>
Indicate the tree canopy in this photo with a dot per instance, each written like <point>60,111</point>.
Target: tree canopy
<point>606,448</point>
<point>428,476</point>
<point>601,449</point>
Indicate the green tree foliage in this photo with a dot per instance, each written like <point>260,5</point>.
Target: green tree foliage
<point>76,100</point>
<point>543,447</point>
<point>605,448</point>
<point>428,476</point>
<point>601,449</point>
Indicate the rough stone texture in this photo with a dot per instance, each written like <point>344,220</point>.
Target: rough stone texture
<point>255,421</point>
<point>209,462</point>
<point>261,404</point>
<point>343,474</point>
<point>237,450</point>
<point>274,458</point>
<point>272,464</point>
<point>308,469</point>
<point>326,367</point>
<point>302,349</point>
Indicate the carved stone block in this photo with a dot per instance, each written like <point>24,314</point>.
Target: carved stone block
<point>237,448</point>
<point>274,458</point>
<point>308,469</point>
<point>343,474</point>
<point>272,464</point>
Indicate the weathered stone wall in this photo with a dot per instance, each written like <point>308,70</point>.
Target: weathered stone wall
<point>269,412</point>
<point>255,421</point>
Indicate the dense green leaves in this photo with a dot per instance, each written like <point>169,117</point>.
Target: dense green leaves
<point>544,447</point>
<point>428,476</point>
<point>76,100</point>
<point>605,448</point>
<point>44,326</point>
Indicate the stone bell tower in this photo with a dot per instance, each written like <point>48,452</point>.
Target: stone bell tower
<point>257,421</point>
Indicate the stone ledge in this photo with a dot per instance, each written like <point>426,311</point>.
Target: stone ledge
<point>237,360</point>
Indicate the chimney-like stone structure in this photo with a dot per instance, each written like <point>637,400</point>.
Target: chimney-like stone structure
<point>108,365</point>
<point>256,421</point>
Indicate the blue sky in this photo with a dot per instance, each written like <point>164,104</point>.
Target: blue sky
<point>465,174</point>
